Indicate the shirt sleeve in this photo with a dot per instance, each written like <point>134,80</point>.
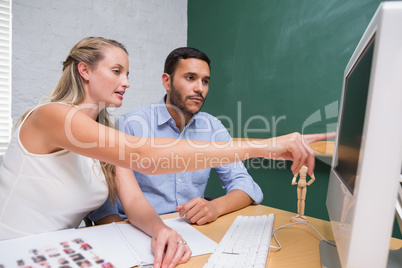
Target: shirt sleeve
<point>108,208</point>
<point>235,176</point>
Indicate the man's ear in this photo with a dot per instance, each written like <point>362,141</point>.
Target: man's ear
<point>83,69</point>
<point>166,81</point>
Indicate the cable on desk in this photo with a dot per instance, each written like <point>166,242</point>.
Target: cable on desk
<point>305,223</point>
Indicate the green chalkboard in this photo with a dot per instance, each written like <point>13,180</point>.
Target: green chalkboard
<point>277,67</point>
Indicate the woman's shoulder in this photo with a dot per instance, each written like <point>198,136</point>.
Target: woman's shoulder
<point>48,115</point>
<point>43,126</point>
<point>43,110</point>
<point>56,106</point>
<point>54,109</point>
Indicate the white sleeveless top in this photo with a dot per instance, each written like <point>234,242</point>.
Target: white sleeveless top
<point>46,192</point>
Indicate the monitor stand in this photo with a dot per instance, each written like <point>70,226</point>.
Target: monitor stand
<point>330,258</point>
<point>329,255</point>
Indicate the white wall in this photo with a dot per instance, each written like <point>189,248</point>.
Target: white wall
<point>45,30</point>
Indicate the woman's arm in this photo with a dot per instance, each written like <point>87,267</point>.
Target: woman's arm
<point>141,214</point>
<point>56,126</point>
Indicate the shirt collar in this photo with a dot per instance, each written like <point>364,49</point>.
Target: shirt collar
<point>164,116</point>
<point>162,112</point>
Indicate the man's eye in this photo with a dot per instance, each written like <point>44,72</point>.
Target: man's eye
<point>190,77</point>
<point>206,82</point>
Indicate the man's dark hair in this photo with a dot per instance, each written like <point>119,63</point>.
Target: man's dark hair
<point>183,53</point>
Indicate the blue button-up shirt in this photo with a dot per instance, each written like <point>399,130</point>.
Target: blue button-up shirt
<point>165,192</point>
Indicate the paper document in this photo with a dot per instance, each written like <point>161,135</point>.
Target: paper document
<point>111,245</point>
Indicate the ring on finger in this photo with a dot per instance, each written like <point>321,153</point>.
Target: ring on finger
<point>182,242</point>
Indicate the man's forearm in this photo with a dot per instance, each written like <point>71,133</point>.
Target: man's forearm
<point>234,200</point>
<point>109,219</point>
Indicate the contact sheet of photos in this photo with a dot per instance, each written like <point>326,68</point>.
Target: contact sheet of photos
<point>105,246</point>
<point>66,254</point>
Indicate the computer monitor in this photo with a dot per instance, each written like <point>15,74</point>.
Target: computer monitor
<point>366,165</point>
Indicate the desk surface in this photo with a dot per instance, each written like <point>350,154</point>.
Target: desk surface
<point>300,243</point>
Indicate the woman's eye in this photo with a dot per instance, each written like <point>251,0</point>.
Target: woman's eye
<point>116,71</point>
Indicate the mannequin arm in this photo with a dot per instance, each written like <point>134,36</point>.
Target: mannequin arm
<point>311,180</point>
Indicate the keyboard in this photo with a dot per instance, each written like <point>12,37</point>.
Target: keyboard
<point>245,244</point>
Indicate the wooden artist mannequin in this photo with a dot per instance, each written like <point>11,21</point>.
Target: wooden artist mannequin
<point>301,194</point>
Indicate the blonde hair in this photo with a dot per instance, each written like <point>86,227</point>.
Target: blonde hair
<point>70,88</point>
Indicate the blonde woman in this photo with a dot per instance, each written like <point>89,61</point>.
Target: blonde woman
<point>64,153</point>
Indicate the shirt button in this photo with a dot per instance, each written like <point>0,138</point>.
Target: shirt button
<point>179,199</point>
<point>179,179</point>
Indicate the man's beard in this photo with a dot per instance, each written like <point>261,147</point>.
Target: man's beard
<point>176,100</point>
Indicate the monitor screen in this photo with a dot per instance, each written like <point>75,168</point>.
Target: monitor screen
<point>352,121</point>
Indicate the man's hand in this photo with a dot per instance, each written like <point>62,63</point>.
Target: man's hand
<point>198,210</point>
